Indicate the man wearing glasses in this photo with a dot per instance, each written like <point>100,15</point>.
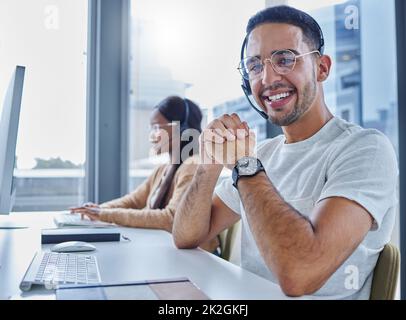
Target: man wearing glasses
<point>317,203</point>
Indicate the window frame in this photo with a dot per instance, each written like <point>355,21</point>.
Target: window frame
<point>107,86</point>
<point>400,6</point>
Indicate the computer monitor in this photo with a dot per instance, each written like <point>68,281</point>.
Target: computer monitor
<point>10,115</point>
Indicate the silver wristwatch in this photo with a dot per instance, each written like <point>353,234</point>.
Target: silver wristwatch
<point>246,167</point>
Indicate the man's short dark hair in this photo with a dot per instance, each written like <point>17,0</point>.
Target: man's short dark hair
<point>285,14</point>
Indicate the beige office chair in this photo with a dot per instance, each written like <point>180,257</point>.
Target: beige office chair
<point>386,273</point>
<point>227,239</point>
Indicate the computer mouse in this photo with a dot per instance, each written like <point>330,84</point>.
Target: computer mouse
<point>73,246</point>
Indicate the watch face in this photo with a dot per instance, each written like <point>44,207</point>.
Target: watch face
<point>244,162</point>
<point>247,166</point>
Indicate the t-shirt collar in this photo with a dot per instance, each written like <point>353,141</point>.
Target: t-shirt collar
<point>325,132</point>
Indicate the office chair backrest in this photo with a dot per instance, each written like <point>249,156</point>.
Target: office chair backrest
<point>386,273</point>
<point>227,240</point>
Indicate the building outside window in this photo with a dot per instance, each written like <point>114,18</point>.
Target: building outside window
<point>49,38</point>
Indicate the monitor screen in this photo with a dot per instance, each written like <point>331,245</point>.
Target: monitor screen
<point>10,115</point>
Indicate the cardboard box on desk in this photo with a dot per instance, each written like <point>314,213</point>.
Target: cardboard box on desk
<point>79,234</point>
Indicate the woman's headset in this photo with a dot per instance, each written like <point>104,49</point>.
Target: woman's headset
<point>246,87</point>
<point>185,123</point>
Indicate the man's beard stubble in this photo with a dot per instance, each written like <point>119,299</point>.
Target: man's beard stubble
<point>309,93</point>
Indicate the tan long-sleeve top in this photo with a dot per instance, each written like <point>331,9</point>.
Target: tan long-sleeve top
<point>134,209</point>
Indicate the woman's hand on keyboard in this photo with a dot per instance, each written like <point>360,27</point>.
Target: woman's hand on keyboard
<point>89,209</point>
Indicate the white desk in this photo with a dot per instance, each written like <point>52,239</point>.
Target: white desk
<point>150,254</point>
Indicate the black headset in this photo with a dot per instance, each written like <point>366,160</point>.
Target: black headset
<point>185,122</point>
<point>246,87</point>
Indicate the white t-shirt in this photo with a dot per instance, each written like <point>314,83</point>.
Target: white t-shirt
<point>340,160</point>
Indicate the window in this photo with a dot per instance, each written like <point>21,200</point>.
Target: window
<point>50,39</point>
<point>188,48</point>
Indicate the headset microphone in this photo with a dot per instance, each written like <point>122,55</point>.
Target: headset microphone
<point>247,93</point>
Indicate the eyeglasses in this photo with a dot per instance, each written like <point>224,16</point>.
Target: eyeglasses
<point>282,62</point>
<point>157,126</point>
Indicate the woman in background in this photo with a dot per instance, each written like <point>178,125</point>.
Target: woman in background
<point>153,204</point>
